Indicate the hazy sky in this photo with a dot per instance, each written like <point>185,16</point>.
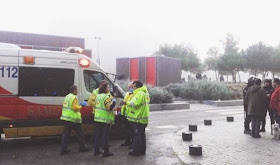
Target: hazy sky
<point>131,28</point>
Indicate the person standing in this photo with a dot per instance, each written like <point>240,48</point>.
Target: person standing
<point>124,111</point>
<point>247,118</point>
<point>95,92</point>
<point>139,117</point>
<point>275,99</point>
<point>269,90</point>
<point>222,78</point>
<point>257,101</point>
<point>71,117</point>
<point>103,118</point>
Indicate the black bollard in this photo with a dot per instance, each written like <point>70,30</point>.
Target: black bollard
<point>230,119</point>
<point>195,150</point>
<point>192,127</point>
<point>207,122</point>
<point>186,136</point>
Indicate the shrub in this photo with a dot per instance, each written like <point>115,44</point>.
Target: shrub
<point>174,88</point>
<point>193,90</point>
<point>203,90</point>
<point>159,95</point>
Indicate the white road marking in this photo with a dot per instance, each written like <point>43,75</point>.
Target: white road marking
<point>229,113</point>
<point>194,110</point>
<point>166,126</point>
<point>147,129</point>
<point>226,110</point>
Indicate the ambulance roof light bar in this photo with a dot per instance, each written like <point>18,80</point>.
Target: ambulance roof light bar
<point>74,50</point>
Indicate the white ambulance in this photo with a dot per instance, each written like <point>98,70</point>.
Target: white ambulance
<point>33,84</point>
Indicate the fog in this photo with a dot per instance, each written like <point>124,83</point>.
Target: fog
<point>137,28</point>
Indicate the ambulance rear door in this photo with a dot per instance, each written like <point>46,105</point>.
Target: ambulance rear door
<point>8,88</point>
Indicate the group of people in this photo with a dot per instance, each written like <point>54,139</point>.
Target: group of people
<point>135,108</point>
<point>258,101</point>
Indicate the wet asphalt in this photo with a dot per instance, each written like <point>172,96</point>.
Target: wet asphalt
<point>163,129</point>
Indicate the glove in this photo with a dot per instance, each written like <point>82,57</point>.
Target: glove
<point>114,100</point>
<point>84,103</point>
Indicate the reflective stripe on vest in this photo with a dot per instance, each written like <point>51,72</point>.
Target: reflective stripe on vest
<point>75,120</point>
<point>104,120</point>
<point>137,119</point>
<point>100,108</point>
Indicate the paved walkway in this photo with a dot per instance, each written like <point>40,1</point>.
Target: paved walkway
<point>224,143</point>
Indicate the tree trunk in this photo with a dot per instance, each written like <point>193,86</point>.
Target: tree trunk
<point>273,75</point>
<point>216,75</point>
<point>263,76</point>
<point>233,76</point>
<point>239,77</point>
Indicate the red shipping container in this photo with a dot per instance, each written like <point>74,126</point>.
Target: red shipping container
<point>134,69</point>
<point>151,71</point>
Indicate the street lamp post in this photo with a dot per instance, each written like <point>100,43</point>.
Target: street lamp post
<point>98,59</point>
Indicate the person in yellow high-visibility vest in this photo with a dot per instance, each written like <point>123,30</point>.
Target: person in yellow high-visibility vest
<point>124,111</point>
<point>103,118</point>
<point>71,117</point>
<point>138,115</point>
<point>95,92</point>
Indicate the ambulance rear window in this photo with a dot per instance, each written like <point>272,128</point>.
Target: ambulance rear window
<point>34,81</point>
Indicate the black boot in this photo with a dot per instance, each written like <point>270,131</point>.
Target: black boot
<point>262,130</point>
<point>247,131</point>
<point>107,154</point>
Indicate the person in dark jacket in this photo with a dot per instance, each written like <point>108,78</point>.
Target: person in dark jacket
<point>269,90</point>
<point>247,118</point>
<point>257,101</point>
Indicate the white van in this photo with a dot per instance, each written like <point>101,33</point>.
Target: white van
<point>33,84</point>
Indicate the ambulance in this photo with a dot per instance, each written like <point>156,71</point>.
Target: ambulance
<point>33,84</point>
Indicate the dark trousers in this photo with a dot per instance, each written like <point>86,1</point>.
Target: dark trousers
<point>272,118</point>
<point>128,138</point>
<point>138,137</point>
<point>77,127</point>
<point>101,137</point>
<point>256,125</point>
<point>247,121</point>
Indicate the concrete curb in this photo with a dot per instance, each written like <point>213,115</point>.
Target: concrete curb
<point>220,103</point>
<point>169,106</point>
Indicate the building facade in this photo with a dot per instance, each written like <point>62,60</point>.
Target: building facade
<point>43,42</point>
